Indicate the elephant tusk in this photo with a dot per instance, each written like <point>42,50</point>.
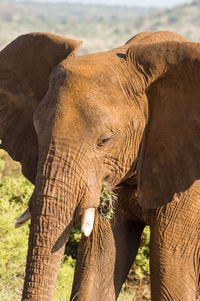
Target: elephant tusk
<point>87,222</point>
<point>23,218</point>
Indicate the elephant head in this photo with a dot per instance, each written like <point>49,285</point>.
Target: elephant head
<point>111,116</point>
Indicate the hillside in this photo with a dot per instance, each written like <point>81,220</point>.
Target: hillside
<point>184,19</point>
<point>100,27</point>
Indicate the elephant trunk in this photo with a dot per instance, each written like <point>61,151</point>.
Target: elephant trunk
<point>53,204</point>
<point>42,263</point>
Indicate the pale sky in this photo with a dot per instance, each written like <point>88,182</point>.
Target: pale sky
<point>142,3</point>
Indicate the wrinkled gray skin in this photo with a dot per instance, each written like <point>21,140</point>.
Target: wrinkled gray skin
<point>130,117</point>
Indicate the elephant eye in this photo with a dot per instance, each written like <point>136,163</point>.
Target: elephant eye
<point>106,140</point>
<point>103,140</point>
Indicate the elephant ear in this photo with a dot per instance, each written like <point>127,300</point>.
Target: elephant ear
<point>154,37</point>
<point>25,67</point>
<point>169,162</point>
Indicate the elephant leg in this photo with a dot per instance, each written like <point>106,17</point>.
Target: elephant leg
<point>175,251</point>
<point>127,240</point>
<point>104,260</point>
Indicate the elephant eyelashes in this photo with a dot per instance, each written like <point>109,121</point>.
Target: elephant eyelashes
<point>103,141</point>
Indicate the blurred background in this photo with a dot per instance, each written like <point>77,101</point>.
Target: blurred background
<point>102,25</point>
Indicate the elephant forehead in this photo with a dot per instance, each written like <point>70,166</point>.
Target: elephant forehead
<point>86,113</point>
<point>86,93</point>
<point>82,71</point>
<point>85,86</point>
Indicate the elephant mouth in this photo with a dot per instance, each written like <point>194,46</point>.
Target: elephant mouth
<point>108,199</point>
<point>106,209</point>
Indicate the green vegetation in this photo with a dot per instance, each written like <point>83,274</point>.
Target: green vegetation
<point>107,202</point>
<point>141,265</point>
<point>15,192</point>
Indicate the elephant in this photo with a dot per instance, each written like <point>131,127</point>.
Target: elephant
<point>127,117</point>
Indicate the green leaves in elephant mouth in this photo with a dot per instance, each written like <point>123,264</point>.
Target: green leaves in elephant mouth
<point>107,200</point>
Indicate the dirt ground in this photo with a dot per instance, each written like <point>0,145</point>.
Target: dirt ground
<point>136,288</point>
<point>139,289</point>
